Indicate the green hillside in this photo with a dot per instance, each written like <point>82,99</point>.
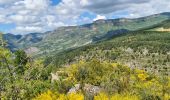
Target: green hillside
<point>126,59</point>
<point>16,42</point>
<point>163,26</point>
<point>69,37</point>
<point>142,49</point>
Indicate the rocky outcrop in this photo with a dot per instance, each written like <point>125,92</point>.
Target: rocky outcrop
<point>31,50</point>
<point>91,89</point>
<point>74,89</point>
<point>54,77</point>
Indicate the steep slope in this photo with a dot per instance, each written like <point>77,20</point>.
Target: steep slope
<point>144,49</point>
<point>147,49</point>
<point>12,40</point>
<point>22,41</point>
<point>163,26</point>
<point>74,36</point>
<point>65,38</point>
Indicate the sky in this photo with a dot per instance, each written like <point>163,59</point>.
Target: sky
<point>27,16</point>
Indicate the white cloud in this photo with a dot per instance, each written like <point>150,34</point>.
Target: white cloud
<point>98,17</point>
<point>28,29</point>
<point>23,19</point>
<point>151,7</point>
<point>84,2</point>
<point>36,4</point>
<point>51,21</point>
<point>39,15</point>
<point>2,2</point>
<point>109,6</point>
<point>2,18</point>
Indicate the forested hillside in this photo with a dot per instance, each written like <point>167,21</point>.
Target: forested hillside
<point>142,49</point>
<point>63,38</point>
<point>131,63</point>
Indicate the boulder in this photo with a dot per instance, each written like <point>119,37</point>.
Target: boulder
<point>91,89</point>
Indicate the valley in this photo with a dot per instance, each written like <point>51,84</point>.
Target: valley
<point>113,59</point>
<point>69,37</point>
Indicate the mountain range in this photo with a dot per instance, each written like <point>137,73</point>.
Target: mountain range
<point>113,59</point>
<point>69,37</point>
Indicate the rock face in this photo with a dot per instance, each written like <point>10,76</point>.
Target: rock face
<point>74,89</point>
<point>91,89</point>
<point>32,50</point>
<point>54,77</point>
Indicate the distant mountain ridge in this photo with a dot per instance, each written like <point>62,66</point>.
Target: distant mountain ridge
<point>68,37</point>
<point>22,41</point>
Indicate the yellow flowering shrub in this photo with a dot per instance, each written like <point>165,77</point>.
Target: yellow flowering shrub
<point>114,64</point>
<point>141,74</point>
<point>142,77</point>
<point>139,71</point>
<point>124,97</point>
<point>49,95</point>
<point>62,97</point>
<point>118,79</point>
<point>101,96</point>
<point>74,96</point>
<point>46,96</point>
<point>167,97</point>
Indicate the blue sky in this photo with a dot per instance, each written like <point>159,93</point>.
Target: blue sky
<point>25,16</point>
<point>6,27</point>
<point>55,2</point>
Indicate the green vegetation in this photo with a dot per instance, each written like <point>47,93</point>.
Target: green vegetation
<point>143,49</point>
<point>21,77</point>
<point>100,65</point>
<point>75,36</point>
<point>132,65</point>
<point>114,80</point>
<point>64,38</point>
